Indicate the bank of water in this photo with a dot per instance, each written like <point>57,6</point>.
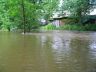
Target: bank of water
<point>54,51</point>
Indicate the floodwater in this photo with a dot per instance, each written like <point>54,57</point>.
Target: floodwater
<point>53,51</point>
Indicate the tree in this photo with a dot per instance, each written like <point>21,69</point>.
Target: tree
<point>77,8</point>
<point>4,17</point>
<point>49,7</point>
<point>25,14</point>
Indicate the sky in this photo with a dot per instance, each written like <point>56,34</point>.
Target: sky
<point>61,1</point>
<point>93,12</point>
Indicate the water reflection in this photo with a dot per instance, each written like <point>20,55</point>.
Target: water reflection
<point>93,46</point>
<point>71,54</point>
<point>48,52</point>
<point>92,52</point>
<point>93,49</point>
<point>60,47</point>
<point>79,53</point>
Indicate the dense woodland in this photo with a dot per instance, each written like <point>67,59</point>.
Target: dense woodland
<point>27,14</point>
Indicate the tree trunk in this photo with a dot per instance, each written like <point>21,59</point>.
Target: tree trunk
<point>23,15</point>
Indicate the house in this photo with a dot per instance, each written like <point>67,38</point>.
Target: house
<point>58,20</point>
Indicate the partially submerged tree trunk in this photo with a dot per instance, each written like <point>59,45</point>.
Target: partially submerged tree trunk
<point>23,16</point>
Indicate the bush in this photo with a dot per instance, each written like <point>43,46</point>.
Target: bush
<point>71,27</point>
<point>91,27</point>
<point>48,27</point>
<point>79,27</point>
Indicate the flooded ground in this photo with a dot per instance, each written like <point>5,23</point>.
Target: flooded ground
<point>54,51</point>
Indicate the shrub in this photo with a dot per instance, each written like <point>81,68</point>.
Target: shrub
<point>79,27</point>
<point>49,27</point>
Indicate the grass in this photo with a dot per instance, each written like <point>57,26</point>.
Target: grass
<point>78,27</point>
<point>48,27</point>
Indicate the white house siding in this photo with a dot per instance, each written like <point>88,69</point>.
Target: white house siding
<point>56,23</point>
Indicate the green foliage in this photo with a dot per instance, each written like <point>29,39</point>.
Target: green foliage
<point>48,7</point>
<point>90,27</point>
<point>77,7</point>
<point>25,14</point>
<point>71,27</point>
<point>79,27</point>
<point>48,27</point>
<point>4,17</point>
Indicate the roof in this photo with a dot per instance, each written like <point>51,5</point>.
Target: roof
<point>60,18</point>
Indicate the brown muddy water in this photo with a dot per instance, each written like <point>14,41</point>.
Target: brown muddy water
<point>54,51</point>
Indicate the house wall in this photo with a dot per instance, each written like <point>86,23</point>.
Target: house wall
<point>61,22</point>
<point>56,23</point>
